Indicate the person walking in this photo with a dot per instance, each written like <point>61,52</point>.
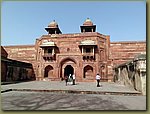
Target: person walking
<point>73,77</point>
<point>98,79</point>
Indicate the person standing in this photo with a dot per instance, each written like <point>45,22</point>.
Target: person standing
<point>73,77</point>
<point>98,79</point>
<point>66,79</point>
<point>70,79</point>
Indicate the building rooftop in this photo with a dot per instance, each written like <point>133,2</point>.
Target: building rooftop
<point>53,24</point>
<point>88,22</point>
<point>140,57</point>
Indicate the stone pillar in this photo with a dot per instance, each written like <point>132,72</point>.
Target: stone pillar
<point>82,50</point>
<point>37,73</point>
<point>141,74</point>
<point>93,50</point>
<point>62,70</point>
<point>143,82</point>
<point>42,73</point>
<point>58,71</point>
<point>53,51</point>
<point>95,71</point>
<point>119,74</point>
<point>83,30</point>
<point>79,72</point>
<point>39,77</point>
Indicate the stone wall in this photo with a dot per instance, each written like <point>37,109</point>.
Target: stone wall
<point>18,71</point>
<point>24,53</point>
<point>3,52</point>
<point>120,52</point>
<point>110,55</point>
<point>3,70</point>
<point>132,73</point>
<point>69,51</point>
<point>17,63</point>
<point>4,55</point>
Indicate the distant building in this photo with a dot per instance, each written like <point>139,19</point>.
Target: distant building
<point>84,54</point>
<point>13,70</point>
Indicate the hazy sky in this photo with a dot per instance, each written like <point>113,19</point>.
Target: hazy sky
<point>24,22</point>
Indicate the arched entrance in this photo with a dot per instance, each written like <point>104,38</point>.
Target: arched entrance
<point>67,66</point>
<point>48,71</point>
<point>68,70</point>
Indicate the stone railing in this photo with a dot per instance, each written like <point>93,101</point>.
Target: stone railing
<point>88,54</point>
<point>48,55</point>
<point>132,73</point>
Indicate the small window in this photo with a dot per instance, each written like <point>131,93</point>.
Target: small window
<point>49,50</point>
<point>88,50</point>
<point>68,49</point>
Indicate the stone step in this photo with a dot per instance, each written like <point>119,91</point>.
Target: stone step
<point>81,92</point>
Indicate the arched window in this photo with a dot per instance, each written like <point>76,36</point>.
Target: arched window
<point>88,72</point>
<point>48,71</point>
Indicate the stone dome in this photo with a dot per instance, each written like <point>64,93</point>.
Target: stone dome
<point>53,24</point>
<point>88,22</point>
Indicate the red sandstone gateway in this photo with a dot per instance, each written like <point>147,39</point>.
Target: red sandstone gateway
<point>84,54</point>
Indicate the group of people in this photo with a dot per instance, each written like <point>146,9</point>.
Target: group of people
<point>70,78</point>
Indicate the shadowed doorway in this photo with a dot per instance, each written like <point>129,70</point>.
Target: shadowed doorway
<point>68,70</point>
<point>48,72</point>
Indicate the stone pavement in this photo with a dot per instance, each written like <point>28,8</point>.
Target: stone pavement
<point>26,100</point>
<point>80,87</point>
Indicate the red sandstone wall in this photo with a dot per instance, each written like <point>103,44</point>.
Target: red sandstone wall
<point>24,53</point>
<point>3,52</point>
<point>3,64</point>
<point>69,46</point>
<point>121,52</point>
<point>3,71</point>
<point>118,52</point>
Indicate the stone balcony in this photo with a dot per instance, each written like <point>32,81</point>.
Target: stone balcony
<point>48,56</point>
<point>88,55</point>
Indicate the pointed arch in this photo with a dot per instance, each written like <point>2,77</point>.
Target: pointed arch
<point>67,59</point>
<point>48,71</point>
<point>88,71</point>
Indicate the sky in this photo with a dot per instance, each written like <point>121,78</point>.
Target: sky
<point>23,22</point>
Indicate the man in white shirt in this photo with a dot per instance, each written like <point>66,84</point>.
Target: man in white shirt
<point>98,79</point>
<point>73,77</point>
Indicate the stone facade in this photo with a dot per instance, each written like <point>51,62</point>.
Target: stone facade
<point>14,70</point>
<point>121,52</point>
<point>4,55</point>
<point>132,73</point>
<point>84,54</point>
<point>70,53</point>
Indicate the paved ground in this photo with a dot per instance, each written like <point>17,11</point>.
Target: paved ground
<point>23,96</point>
<point>62,101</point>
<point>80,86</point>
